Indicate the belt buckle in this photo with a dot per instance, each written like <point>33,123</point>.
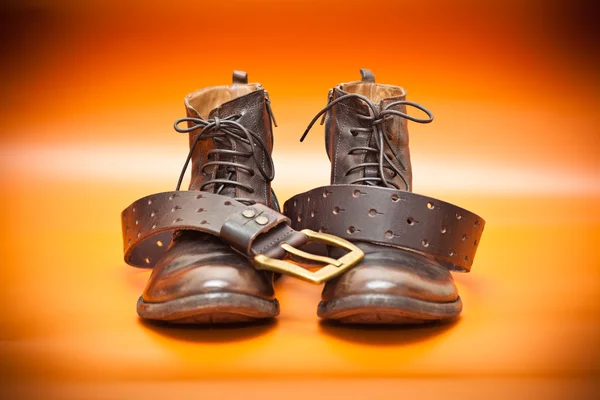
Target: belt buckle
<point>331,269</point>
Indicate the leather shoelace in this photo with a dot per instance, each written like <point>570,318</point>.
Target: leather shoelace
<point>376,118</point>
<point>223,130</point>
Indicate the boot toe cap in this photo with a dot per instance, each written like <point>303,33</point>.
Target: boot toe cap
<point>200,268</point>
<point>395,272</point>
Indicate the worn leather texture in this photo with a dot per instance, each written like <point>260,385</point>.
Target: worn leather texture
<point>197,261</point>
<point>390,271</point>
<point>411,242</point>
<point>344,118</point>
<point>149,223</point>
<point>393,218</point>
<point>251,108</point>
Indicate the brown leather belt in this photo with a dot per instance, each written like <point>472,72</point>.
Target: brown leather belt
<point>260,233</point>
<point>390,217</point>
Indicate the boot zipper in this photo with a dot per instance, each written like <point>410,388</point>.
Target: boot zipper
<point>269,110</point>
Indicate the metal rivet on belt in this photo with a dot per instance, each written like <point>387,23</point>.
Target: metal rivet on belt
<point>248,213</point>
<point>262,220</point>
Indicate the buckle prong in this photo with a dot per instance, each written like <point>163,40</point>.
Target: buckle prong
<point>332,268</point>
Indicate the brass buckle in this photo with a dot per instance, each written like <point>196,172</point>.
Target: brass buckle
<point>332,268</point>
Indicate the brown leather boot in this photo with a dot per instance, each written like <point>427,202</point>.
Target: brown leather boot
<point>410,241</point>
<point>200,278</point>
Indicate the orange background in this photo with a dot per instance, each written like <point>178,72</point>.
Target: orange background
<point>88,97</point>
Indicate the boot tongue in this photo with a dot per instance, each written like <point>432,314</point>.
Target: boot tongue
<point>224,143</point>
<point>228,109</point>
<point>362,108</point>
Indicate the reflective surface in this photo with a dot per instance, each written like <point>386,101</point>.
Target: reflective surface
<point>86,127</point>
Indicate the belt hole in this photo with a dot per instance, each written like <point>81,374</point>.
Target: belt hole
<point>351,229</point>
<point>475,243</point>
<point>451,253</point>
<point>389,234</point>
<point>312,213</point>
<point>444,229</point>
<point>147,260</point>
<point>458,216</point>
<point>430,206</point>
<point>395,197</point>
<point>425,243</point>
<point>336,210</point>
<point>410,221</point>
<point>159,243</point>
<point>464,237</point>
<point>477,223</point>
<point>372,212</point>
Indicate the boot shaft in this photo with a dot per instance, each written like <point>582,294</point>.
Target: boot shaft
<point>248,105</point>
<point>352,127</point>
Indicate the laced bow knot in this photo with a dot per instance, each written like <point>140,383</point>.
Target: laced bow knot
<point>376,118</point>
<point>224,131</point>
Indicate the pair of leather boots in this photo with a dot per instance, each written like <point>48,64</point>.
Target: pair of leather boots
<point>217,248</point>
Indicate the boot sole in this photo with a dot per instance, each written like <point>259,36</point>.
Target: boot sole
<point>210,308</point>
<point>387,309</point>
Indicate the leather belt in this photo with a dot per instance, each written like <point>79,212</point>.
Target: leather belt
<point>391,217</point>
<point>256,231</point>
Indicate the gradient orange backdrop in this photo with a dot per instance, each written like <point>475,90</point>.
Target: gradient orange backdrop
<point>88,97</point>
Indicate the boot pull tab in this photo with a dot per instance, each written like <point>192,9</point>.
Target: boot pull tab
<point>367,75</point>
<point>240,78</point>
